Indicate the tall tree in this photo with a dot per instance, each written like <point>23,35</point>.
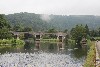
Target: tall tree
<point>3,22</point>
<point>87,30</point>
<point>66,30</point>
<point>94,33</point>
<point>27,29</point>
<point>78,33</point>
<point>99,32</point>
<point>17,27</point>
<point>52,30</point>
<point>4,28</point>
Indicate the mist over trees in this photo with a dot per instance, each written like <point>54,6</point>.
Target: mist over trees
<point>59,22</point>
<point>27,20</point>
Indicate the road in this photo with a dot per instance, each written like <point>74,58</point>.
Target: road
<point>98,47</point>
<point>97,54</point>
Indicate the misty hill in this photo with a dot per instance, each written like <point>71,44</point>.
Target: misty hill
<point>27,19</point>
<point>60,22</point>
<point>67,22</point>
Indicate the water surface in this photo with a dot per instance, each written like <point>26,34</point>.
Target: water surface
<point>43,55</point>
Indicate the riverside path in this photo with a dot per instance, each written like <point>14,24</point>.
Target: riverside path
<point>97,53</point>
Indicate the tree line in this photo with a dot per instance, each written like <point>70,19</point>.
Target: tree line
<point>76,33</point>
<point>81,31</point>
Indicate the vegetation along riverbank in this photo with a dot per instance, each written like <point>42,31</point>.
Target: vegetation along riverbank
<point>11,42</point>
<point>91,56</point>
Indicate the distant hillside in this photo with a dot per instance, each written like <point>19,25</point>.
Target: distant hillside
<point>67,22</point>
<point>41,22</point>
<point>27,19</point>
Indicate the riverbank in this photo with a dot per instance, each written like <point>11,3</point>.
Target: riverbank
<point>11,42</point>
<point>91,56</point>
<point>49,40</point>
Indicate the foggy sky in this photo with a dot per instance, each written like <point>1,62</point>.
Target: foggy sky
<point>58,7</point>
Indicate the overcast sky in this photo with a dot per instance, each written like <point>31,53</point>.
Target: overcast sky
<point>58,7</point>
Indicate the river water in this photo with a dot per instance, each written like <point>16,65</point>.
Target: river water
<point>43,55</point>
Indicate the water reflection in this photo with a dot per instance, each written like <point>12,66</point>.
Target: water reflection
<point>79,53</point>
<point>60,46</point>
<point>29,44</point>
<point>49,47</point>
<point>37,45</point>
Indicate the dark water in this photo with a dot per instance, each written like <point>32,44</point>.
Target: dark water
<point>76,53</point>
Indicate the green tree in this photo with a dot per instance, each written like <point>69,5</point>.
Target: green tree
<point>66,30</point>
<point>17,27</point>
<point>94,33</point>
<point>87,29</point>
<point>52,31</point>
<point>50,35</point>
<point>99,32</point>
<point>78,33</point>
<point>3,22</point>
<point>27,29</point>
<point>4,28</point>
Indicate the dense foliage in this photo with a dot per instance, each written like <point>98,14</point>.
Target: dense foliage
<point>20,21</point>
<point>4,28</point>
<point>78,33</point>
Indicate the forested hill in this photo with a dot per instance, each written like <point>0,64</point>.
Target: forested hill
<point>44,22</point>
<point>27,20</point>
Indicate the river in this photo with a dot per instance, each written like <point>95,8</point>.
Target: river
<point>43,55</point>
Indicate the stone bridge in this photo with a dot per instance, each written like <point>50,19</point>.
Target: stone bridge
<point>38,35</point>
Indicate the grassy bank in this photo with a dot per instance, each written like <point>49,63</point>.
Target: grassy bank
<point>97,38</point>
<point>70,41</point>
<point>49,40</point>
<point>11,42</point>
<point>89,43</point>
<point>90,60</point>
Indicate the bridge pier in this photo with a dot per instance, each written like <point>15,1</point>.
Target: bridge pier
<point>60,46</point>
<point>38,36</point>
<point>37,45</point>
<point>16,37</point>
<point>60,38</point>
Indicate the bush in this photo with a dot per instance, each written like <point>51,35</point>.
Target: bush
<point>4,42</point>
<point>20,42</point>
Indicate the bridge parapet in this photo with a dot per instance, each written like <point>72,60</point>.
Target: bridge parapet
<point>40,33</point>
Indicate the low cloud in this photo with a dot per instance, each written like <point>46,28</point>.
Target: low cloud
<point>45,17</point>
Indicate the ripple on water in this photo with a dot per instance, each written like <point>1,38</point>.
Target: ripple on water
<point>40,59</point>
